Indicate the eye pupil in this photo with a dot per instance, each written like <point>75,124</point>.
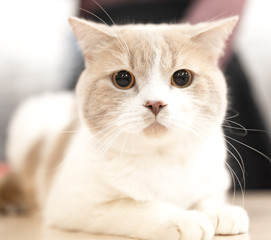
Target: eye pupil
<point>181,78</point>
<point>123,79</point>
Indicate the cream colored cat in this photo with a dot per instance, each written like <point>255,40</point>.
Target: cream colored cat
<point>144,157</point>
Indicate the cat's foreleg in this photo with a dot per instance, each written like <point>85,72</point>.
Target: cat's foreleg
<point>149,220</point>
<point>228,219</point>
<point>231,220</point>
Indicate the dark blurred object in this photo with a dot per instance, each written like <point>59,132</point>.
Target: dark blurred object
<point>140,12</point>
<point>257,167</point>
<point>12,197</point>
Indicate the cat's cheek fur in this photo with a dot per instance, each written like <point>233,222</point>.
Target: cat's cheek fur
<point>97,110</point>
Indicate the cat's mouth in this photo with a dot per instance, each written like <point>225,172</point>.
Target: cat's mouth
<point>155,129</point>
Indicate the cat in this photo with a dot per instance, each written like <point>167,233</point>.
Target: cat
<point>138,150</point>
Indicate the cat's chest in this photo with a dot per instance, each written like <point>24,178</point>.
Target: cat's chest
<point>155,178</point>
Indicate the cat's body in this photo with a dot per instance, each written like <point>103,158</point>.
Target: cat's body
<point>147,160</point>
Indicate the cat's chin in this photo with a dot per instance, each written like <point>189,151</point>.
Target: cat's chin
<point>155,129</point>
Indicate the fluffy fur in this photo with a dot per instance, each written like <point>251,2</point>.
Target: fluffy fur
<point>115,167</point>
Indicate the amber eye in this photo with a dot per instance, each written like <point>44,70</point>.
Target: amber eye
<point>181,78</point>
<point>123,79</point>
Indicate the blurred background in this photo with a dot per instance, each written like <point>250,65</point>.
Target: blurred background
<point>38,53</point>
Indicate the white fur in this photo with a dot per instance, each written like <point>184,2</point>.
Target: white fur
<point>155,186</point>
<point>124,182</point>
<point>52,113</point>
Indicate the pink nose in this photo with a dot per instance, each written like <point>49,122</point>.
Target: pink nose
<point>155,107</point>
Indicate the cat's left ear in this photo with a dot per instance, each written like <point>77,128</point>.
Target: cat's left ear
<point>90,35</point>
<point>212,36</point>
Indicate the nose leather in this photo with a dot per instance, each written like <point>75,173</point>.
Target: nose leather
<point>155,107</point>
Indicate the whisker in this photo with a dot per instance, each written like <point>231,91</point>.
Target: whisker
<point>127,49</point>
<point>196,132</point>
<point>102,128</point>
<point>233,116</point>
<point>241,167</point>
<point>233,180</point>
<point>234,184</point>
<point>94,15</point>
<point>69,131</point>
<point>123,145</point>
<point>217,17</point>
<point>254,149</point>
<point>110,28</point>
<point>247,129</point>
<point>106,143</point>
<point>181,50</point>
<point>236,123</point>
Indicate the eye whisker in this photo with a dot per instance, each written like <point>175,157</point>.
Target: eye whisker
<point>110,18</point>
<point>110,28</point>
<point>181,50</point>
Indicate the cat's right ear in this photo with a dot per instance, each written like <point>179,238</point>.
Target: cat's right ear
<point>90,35</point>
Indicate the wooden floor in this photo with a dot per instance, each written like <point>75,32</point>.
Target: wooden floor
<point>258,205</point>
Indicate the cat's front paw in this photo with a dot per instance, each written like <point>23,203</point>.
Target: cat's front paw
<point>192,225</point>
<point>231,220</point>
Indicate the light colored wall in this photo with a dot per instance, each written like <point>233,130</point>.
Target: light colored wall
<point>253,45</point>
<point>34,51</point>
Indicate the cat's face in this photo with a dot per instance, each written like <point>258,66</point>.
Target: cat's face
<point>153,80</point>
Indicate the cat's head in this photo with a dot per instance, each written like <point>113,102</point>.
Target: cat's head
<point>152,80</point>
